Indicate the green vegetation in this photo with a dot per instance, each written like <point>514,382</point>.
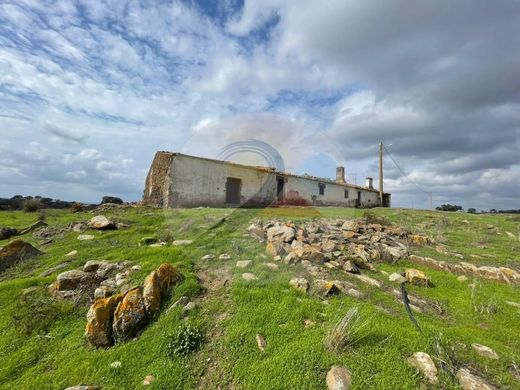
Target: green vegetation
<point>42,344</point>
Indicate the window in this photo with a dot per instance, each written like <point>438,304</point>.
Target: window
<point>321,188</point>
<point>346,194</point>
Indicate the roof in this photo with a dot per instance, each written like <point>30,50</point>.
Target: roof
<point>274,171</point>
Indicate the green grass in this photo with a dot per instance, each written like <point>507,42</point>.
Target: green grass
<point>54,355</point>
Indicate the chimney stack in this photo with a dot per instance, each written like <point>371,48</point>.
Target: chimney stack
<point>369,183</point>
<point>340,175</point>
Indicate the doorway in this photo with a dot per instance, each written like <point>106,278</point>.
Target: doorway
<point>233,190</point>
<point>280,181</point>
<point>359,198</point>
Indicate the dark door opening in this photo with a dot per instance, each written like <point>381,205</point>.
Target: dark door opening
<point>279,188</point>
<point>233,190</point>
<point>359,198</point>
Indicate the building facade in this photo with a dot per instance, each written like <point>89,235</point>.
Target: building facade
<point>176,180</point>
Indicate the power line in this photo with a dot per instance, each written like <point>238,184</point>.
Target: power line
<point>404,173</point>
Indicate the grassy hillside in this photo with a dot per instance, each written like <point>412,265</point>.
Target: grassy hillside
<point>42,344</point>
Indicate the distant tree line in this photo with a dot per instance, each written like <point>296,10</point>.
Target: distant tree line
<point>471,210</point>
<point>448,207</point>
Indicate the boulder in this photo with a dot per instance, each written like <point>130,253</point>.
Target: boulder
<point>99,321</point>
<point>482,350</point>
<point>418,239</point>
<point>324,288</point>
<point>103,292</point>
<point>91,266</point>
<point>70,280</point>
<point>281,232</point>
<point>168,277</point>
<point>352,226</point>
<point>7,232</point>
<point>291,258</point>
<point>350,267</point>
<point>339,378</point>
<point>100,222</point>
<point>16,251</point>
<point>397,278</point>
<point>424,363</point>
<point>249,276</point>
<point>469,381</point>
<point>130,316</point>
<point>419,278</point>
<point>78,227</point>
<point>152,294</point>
<point>300,284</point>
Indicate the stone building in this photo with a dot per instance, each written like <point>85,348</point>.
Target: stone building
<point>177,180</point>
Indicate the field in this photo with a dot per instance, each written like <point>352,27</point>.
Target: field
<point>42,344</point>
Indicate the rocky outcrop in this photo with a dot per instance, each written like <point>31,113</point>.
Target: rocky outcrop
<point>121,317</point>
<point>414,276</point>
<point>15,252</point>
<point>498,274</point>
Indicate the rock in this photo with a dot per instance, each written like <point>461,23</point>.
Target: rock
<point>272,266</point>
<point>350,226</point>
<point>291,258</point>
<point>84,387</point>
<point>311,253</point>
<point>182,301</point>
<point>397,278</point>
<point>129,316</point>
<point>277,258</point>
<point>350,267</point>
<point>101,222</point>
<point>72,253</point>
<point>462,278</point>
<point>121,226</point>
<point>418,239</point>
<point>7,232</point>
<point>249,276</point>
<point>106,269</point>
<point>168,277</point>
<point>157,244</point>
<point>181,242</point>
<point>442,250</point>
<point>224,256</point>
<point>308,323</point>
<point>281,232</point>
<point>338,378</point>
<point>514,304</point>
<point>275,248</point>
<point>15,252</point>
<point>98,331</point>
<point>260,342</point>
<point>324,288</point>
<point>121,278</point>
<point>469,381</point>
<point>368,280</point>
<point>91,266</point>
<point>136,268</point>
<point>349,234</point>
<point>419,278</point>
<point>84,237</point>
<point>299,284</point>
<point>70,280</point>
<point>187,308</point>
<point>207,257</point>
<point>243,263</point>
<point>482,350</point>
<point>111,199</point>
<point>52,270</point>
<point>424,363</point>
<point>148,379</point>
<point>103,292</point>
<point>78,227</point>
<point>152,294</point>
<point>116,364</point>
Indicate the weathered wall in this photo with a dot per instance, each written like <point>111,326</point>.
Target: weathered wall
<point>158,181</point>
<point>334,193</point>
<point>200,182</point>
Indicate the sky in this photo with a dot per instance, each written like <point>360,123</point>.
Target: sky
<point>89,91</point>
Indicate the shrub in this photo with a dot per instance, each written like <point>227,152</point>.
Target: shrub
<point>183,341</point>
<point>346,332</point>
<point>31,205</point>
<point>76,208</point>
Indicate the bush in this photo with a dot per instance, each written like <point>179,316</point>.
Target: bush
<point>31,205</point>
<point>346,332</point>
<point>448,207</point>
<point>76,208</point>
<point>471,210</point>
<point>183,341</point>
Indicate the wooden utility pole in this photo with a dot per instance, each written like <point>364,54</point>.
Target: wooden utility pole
<point>381,173</point>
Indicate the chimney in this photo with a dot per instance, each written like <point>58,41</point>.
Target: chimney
<point>368,183</point>
<point>340,175</point>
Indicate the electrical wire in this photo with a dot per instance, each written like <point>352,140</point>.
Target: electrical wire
<point>404,173</point>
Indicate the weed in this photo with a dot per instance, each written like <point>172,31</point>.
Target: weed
<point>183,341</point>
<point>346,332</point>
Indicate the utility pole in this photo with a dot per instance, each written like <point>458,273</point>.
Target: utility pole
<point>381,173</point>
<point>431,200</point>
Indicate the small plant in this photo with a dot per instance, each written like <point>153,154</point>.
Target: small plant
<point>31,205</point>
<point>346,332</point>
<point>183,341</point>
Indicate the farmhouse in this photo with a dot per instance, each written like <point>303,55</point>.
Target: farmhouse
<point>177,180</point>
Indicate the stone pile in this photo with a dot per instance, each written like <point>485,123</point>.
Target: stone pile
<point>499,274</point>
<point>121,317</point>
<point>349,245</point>
<point>97,279</point>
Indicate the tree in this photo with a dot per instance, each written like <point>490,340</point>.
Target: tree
<point>471,210</point>
<point>448,207</point>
